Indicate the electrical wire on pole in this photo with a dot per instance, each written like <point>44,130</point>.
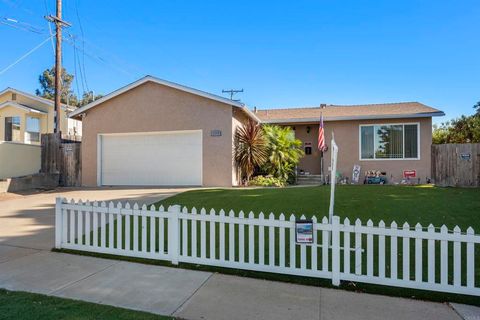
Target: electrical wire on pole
<point>49,26</point>
<point>25,55</point>
<point>83,46</point>
<point>232,92</point>
<point>59,24</point>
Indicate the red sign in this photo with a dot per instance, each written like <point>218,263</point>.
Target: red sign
<point>409,173</point>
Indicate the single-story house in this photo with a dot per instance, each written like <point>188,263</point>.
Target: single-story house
<point>23,118</point>
<point>390,137</point>
<point>156,132</point>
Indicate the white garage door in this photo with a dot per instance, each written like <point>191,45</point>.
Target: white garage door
<point>171,158</point>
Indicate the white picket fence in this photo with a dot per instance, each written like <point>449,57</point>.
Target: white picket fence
<point>419,258</point>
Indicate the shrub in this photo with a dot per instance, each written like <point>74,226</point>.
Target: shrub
<point>267,181</point>
<point>250,149</point>
<point>284,151</point>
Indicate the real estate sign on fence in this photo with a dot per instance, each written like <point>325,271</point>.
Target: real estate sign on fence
<point>416,257</point>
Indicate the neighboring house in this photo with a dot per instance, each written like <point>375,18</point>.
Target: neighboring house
<point>23,118</point>
<point>155,132</point>
<point>390,137</point>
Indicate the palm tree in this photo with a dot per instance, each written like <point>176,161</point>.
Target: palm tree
<point>250,149</point>
<point>283,149</point>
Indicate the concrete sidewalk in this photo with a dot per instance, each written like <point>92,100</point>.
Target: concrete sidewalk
<point>195,295</point>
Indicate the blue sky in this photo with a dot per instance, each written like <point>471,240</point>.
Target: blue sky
<point>283,54</point>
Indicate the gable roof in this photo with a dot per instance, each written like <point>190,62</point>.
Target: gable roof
<point>36,98</point>
<point>349,112</point>
<point>165,83</point>
<point>31,96</point>
<point>20,106</point>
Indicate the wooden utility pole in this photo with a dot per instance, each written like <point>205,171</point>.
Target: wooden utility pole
<point>58,66</point>
<point>59,24</point>
<point>232,93</point>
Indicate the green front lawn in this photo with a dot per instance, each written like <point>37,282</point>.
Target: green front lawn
<point>24,305</point>
<point>412,204</point>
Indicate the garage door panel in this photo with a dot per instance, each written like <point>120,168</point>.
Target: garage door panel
<point>173,158</point>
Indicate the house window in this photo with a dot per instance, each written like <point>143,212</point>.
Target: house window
<point>389,141</point>
<point>12,129</point>
<point>32,132</point>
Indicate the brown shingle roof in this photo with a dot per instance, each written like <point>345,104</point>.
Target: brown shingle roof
<point>349,112</point>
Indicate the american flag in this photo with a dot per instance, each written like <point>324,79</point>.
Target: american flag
<point>321,135</point>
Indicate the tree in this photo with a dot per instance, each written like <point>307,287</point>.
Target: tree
<point>440,133</point>
<point>87,98</point>
<point>250,150</point>
<point>477,108</point>
<point>284,151</point>
<point>47,84</point>
<point>465,129</point>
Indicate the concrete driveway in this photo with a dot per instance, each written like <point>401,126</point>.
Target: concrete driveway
<point>27,220</point>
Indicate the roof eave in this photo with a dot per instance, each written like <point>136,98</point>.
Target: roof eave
<point>21,106</point>
<point>34,97</point>
<point>31,96</point>
<point>158,81</point>
<point>348,118</point>
<point>251,114</point>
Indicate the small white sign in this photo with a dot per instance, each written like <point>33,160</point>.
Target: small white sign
<point>356,173</point>
<point>304,231</point>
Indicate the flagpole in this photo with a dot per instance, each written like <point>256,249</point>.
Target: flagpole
<point>321,167</point>
<point>333,166</point>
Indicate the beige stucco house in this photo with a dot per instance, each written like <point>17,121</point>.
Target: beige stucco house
<point>156,132</point>
<point>390,138</point>
<point>23,118</point>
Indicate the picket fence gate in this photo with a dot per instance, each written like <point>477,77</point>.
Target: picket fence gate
<point>418,257</point>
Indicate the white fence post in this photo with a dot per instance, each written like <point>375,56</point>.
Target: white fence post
<point>335,250</point>
<point>58,222</point>
<point>173,233</point>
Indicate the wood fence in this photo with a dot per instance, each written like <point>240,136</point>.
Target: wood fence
<point>413,257</point>
<point>63,157</point>
<point>456,165</point>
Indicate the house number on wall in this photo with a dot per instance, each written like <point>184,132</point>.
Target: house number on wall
<point>216,133</point>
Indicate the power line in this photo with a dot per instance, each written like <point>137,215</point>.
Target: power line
<point>83,44</point>
<point>99,58</point>
<point>17,24</point>
<point>113,59</point>
<point>16,6</point>
<point>49,26</point>
<point>75,69</point>
<point>25,55</point>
